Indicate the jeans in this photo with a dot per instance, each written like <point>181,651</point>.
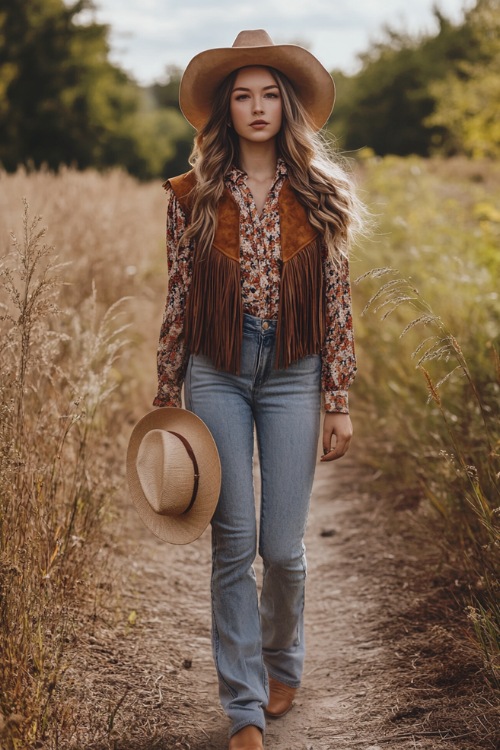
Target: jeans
<point>284,406</point>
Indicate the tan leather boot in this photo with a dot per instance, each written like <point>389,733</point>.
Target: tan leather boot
<point>280,699</point>
<point>248,738</point>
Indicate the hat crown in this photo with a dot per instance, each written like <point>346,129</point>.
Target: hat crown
<point>173,473</point>
<point>253,38</point>
<point>207,70</point>
<point>165,472</point>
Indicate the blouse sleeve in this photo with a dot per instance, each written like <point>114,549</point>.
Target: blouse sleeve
<point>338,358</point>
<point>172,354</point>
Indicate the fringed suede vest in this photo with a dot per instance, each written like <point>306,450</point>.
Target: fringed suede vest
<point>214,308</point>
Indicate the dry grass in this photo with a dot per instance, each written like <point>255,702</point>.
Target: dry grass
<point>448,450</point>
<point>110,230</point>
<point>62,396</point>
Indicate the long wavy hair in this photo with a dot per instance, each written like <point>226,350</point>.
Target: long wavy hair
<point>322,184</point>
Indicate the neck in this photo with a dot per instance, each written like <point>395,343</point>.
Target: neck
<point>258,159</point>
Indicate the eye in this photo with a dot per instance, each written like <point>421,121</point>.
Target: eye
<point>240,97</point>
<point>272,95</point>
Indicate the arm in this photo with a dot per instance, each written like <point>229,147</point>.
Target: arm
<point>338,358</point>
<point>172,354</point>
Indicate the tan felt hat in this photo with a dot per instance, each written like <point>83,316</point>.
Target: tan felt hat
<point>206,71</point>
<point>173,473</point>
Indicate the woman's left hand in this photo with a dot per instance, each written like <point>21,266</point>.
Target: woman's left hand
<point>339,425</point>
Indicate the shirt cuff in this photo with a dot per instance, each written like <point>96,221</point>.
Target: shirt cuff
<point>336,401</point>
<point>173,398</point>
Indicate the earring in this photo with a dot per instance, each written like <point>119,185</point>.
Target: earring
<point>229,124</point>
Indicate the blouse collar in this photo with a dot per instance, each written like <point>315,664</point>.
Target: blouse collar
<point>237,176</point>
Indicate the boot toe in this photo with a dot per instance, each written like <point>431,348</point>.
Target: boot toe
<point>248,738</point>
<point>280,699</point>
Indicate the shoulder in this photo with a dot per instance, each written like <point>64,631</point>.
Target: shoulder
<point>181,186</point>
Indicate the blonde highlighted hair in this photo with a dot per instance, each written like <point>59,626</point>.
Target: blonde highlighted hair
<point>322,185</point>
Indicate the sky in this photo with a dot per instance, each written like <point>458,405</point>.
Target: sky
<point>149,35</point>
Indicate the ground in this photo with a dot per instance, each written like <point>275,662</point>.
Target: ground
<point>383,668</point>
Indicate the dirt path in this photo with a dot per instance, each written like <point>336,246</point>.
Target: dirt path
<point>370,677</point>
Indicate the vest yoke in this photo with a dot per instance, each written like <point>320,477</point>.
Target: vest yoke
<point>296,232</point>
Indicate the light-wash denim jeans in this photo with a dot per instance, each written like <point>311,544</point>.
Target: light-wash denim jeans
<point>284,405</point>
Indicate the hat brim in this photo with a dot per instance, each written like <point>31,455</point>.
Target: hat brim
<point>206,71</point>
<point>189,526</point>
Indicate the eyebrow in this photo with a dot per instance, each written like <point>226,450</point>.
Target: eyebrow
<point>242,88</point>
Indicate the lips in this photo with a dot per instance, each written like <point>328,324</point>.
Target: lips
<point>259,122</point>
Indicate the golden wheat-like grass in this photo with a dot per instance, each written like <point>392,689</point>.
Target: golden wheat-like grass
<point>65,408</point>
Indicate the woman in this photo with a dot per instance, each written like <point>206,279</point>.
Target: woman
<point>258,326</point>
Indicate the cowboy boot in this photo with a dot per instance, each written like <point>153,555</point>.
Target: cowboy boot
<point>280,699</point>
<point>248,738</point>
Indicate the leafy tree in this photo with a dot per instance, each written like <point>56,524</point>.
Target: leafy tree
<point>388,102</point>
<point>172,124</point>
<point>468,98</point>
<point>166,93</point>
<point>163,143</point>
<point>61,100</point>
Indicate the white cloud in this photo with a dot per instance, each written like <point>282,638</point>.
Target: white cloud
<point>148,35</point>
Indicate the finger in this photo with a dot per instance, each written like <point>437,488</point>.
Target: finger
<point>342,444</point>
<point>329,456</point>
<point>339,450</point>
<point>327,441</point>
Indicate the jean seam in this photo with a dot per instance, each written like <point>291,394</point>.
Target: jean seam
<point>262,500</point>
<point>255,383</point>
<point>303,603</point>
<point>214,623</point>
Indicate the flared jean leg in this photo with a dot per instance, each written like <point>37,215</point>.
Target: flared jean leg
<point>284,405</point>
<point>224,405</point>
<point>287,415</point>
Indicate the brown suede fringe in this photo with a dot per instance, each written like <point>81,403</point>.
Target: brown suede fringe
<point>214,310</point>
<point>301,314</point>
<point>214,315</point>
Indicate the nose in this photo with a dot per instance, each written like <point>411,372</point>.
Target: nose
<point>258,107</point>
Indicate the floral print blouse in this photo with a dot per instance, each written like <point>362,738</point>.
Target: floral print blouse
<point>260,286</point>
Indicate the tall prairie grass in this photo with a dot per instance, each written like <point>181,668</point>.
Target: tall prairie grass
<point>65,406</point>
<point>428,340</point>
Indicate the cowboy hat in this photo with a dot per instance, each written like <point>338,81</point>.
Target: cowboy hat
<point>173,473</point>
<point>206,71</point>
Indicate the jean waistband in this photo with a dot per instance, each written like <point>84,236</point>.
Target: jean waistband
<point>264,326</point>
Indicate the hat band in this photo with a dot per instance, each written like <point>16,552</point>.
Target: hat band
<point>191,455</point>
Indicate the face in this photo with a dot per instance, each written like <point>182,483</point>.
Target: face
<point>255,108</point>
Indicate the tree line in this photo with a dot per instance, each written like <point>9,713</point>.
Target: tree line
<point>436,93</point>
<point>63,102</point>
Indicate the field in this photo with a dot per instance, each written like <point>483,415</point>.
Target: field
<point>80,309</point>
<point>429,336</point>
